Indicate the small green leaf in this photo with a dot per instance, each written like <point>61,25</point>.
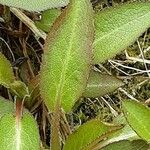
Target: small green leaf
<point>19,88</point>
<point>66,63</point>
<point>138,117</point>
<point>35,5</point>
<point>118,27</point>
<point>21,136</point>
<point>48,18</point>
<point>6,106</point>
<point>127,145</point>
<point>99,84</point>
<point>86,134</point>
<point>6,72</point>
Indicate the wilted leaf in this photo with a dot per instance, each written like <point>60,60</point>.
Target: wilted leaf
<point>99,84</point>
<point>127,145</point>
<point>48,18</point>
<point>118,27</point>
<point>86,134</point>
<point>6,106</point>
<point>66,62</point>
<point>35,5</point>
<point>138,117</point>
<point>21,136</point>
<point>6,72</point>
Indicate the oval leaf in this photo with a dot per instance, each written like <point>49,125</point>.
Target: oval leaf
<point>99,84</point>
<point>118,27</point>
<point>138,117</point>
<point>48,18</point>
<point>66,63</point>
<point>86,134</point>
<point>24,136</point>
<point>6,72</point>
<point>6,107</point>
<point>35,5</point>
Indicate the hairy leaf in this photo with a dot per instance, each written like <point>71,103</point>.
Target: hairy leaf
<point>21,136</point>
<point>99,84</point>
<point>66,63</point>
<point>86,134</point>
<point>118,27</point>
<point>138,118</point>
<point>6,72</point>
<point>35,5</point>
<point>48,18</point>
<point>6,106</point>
<point>127,145</point>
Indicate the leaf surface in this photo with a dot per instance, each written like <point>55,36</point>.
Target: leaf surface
<point>35,5</point>
<point>128,145</point>
<point>24,136</point>
<point>6,106</point>
<point>125,133</point>
<point>118,27</point>
<point>48,18</point>
<point>99,84</point>
<point>86,134</point>
<point>19,89</point>
<point>6,72</point>
<point>66,63</point>
<point>138,118</point>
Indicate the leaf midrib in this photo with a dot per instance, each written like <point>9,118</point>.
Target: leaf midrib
<point>119,28</point>
<point>66,62</point>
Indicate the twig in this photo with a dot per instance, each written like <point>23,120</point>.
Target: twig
<point>28,22</point>
<point>142,55</point>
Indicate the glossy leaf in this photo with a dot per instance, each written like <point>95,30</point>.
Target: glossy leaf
<point>6,72</point>
<point>118,27</point>
<point>138,118</point>
<point>6,106</point>
<point>127,145</point>
<point>86,134</point>
<point>21,136</point>
<point>48,18</point>
<point>66,63</point>
<point>99,84</point>
<point>35,5</point>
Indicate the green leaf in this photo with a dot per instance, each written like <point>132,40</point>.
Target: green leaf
<point>35,5</point>
<point>21,136</point>
<point>127,145</point>
<point>48,18</point>
<point>6,106</point>
<point>7,78</point>
<point>138,117</point>
<point>118,27</point>
<point>19,88</point>
<point>125,133</point>
<point>99,84</point>
<point>66,63</point>
<point>6,72</point>
<point>86,134</point>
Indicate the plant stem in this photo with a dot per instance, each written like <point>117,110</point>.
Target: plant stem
<point>18,109</point>
<point>55,127</point>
